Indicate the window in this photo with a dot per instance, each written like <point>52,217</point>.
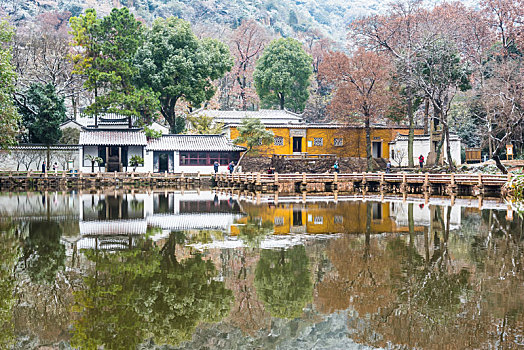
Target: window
<point>319,220</point>
<point>207,158</point>
<point>377,211</point>
<point>318,141</point>
<point>338,142</point>
<point>279,221</point>
<point>339,219</point>
<point>279,141</point>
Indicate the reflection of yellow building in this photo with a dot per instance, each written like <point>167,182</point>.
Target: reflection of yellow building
<point>320,218</point>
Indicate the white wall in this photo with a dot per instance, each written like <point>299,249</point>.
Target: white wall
<point>155,126</point>
<point>135,151</point>
<point>11,159</point>
<point>86,164</point>
<point>422,146</point>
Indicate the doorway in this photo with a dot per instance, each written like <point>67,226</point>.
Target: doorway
<point>163,162</point>
<point>297,144</point>
<point>376,149</point>
<point>297,218</point>
<point>113,159</point>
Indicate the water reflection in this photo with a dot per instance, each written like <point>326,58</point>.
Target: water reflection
<point>146,293</point>
<point>203,270</point>
<point>283,281</point>
<point>9,253</point>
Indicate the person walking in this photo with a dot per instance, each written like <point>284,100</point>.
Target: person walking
<point>215,166</point>
<point>55,168</point>
<point>43,167</point>
<point>336,167</point>
<point>388,167</point>
<point>421,161</point>
<point>231,167</point>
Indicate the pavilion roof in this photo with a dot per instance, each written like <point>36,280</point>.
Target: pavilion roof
<point>112,138</point>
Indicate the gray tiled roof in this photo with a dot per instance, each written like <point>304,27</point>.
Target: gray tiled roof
<point>266,116</point>
<point>112,137</point>
<point>193,143</point>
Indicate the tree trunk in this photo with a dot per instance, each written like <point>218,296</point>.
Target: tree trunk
<point>48,151</point>
<point>411,135</point>
<point>448,148</point>
<point>282,101</point>
<point>426,116</point>
<point>499,164</point>
<point>369,156</point>
<point>73,102</point>
<point>439,149</point>
<point>240,160</point>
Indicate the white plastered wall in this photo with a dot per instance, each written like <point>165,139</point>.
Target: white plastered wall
<point>420,146</point>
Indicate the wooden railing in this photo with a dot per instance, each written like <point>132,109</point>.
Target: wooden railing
<point>417,178</point>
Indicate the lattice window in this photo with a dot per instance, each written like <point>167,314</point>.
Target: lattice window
<point>319,220</point>
<point>338,142</point>
<point>206,158</point>
<point>339,219</point>
<point>318,141</point>
<point>279,141</point>
<point>279,221</point>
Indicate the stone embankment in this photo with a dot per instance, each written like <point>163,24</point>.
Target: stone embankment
<point>311,166</point>
<point>67,181</point>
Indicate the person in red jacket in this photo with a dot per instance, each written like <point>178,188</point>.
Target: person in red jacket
<point>421,161</point>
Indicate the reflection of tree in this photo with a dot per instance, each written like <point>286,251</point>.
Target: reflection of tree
<point>254,231</point>
<point>499,258</point>
<point>414,294</point>
<point>43,253</point>
<point>9,252</point>
<point>248,312</point>
<point>146,293</point>
<point>283,281</point>
<point>362,274</point>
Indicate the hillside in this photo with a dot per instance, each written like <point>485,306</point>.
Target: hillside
<point>287,17</point>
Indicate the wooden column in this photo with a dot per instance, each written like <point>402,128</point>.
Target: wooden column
<point>120,166</point>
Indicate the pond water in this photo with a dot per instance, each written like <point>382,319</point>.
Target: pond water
<point>199,270</point>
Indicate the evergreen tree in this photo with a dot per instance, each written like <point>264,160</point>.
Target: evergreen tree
<point>109,47</point>
<point>253,134</point>
<point>282,75</point>
<point>42,113</point>
<point>9,117</point>
<point>178,66</point>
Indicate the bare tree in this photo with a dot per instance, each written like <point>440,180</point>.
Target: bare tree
<point>398,156</point>
<point>41,54</point>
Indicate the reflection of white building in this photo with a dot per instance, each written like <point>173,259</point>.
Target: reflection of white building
<point>115,221</point>
<point>39,206</point>
<point>423,215</point>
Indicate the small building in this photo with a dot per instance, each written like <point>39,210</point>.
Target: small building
<point>107,120</point>
<point>191,153</point>
<point>266,116</point>
<point>114,147</point>
<point>323,138</point>
<point>422,146</point>
<point>169,153</point>
<point>293,136</point>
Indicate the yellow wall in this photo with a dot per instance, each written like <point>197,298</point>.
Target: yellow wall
<point>354,141</point>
